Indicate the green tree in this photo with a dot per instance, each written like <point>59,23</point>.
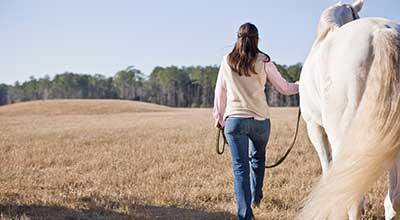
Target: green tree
<point>294,72</point>
<point>203,80</point>
<point>3,94</point>
<point>127,82</point>
<point>172,84</point>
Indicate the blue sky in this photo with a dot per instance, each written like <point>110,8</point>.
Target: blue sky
<point>39,37</point>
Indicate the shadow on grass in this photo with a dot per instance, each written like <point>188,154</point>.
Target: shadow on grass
<point>374,217</point>
<point>168,213</point>
<point>142,212</point>
<point>37,212</point>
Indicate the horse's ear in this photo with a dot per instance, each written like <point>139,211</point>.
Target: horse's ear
<point>357,5</point>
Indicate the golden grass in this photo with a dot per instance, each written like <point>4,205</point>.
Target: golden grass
<point>78,107</point>
<point>91,159</point>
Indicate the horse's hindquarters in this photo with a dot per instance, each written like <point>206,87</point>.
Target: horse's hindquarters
<point>371,142</point>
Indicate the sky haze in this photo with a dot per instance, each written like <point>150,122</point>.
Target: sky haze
<point>93,36</point>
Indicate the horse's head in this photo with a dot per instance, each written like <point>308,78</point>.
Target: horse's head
<point>336,16</point>
<point>345,13</point>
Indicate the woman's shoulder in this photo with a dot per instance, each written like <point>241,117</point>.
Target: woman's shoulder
<point>224,61</point>
<point>265,58</point>
<point>225,58</point>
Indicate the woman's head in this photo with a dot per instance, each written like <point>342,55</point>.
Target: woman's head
<point>244,53</point>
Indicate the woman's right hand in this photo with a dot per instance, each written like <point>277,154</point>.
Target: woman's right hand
<point>218,125</point>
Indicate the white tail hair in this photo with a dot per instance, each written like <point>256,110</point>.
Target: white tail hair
<point>373,140</point>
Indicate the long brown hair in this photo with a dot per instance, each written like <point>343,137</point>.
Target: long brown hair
<point>244,54</point>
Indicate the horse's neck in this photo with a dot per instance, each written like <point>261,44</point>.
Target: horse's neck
<point>328,23</point>
<point>324,32</point>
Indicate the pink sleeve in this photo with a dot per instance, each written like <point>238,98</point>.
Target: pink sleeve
<point>220,98</point>
<point>276,79</point>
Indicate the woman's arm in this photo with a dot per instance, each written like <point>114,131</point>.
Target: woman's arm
<point>220,99</point>
<point>276,79</point>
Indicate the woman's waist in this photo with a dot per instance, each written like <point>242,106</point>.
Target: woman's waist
<point>247,115</point>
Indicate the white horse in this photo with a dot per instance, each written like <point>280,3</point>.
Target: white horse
<point>350,100</point>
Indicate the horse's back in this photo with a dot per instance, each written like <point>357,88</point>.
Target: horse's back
<point>349,54</point>
<point>337,71</point>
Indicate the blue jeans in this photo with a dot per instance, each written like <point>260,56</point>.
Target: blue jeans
<point>242,133</point>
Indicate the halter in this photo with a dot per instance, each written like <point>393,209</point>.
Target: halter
<point>353,13</point>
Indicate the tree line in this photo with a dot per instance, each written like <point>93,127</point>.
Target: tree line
<point>172,86</point>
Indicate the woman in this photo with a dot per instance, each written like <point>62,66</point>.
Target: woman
<point>241,107</point>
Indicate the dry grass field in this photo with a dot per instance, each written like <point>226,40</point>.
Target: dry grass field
<point>114,159</point>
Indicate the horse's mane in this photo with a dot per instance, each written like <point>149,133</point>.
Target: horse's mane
<point>327,23</point>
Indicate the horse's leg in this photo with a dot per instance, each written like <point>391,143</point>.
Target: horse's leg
<point>392,200</point>
<point>356,210</point>
<point>337,133</point>
<point>320,141</point>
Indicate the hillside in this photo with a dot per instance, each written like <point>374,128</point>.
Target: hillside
<point>79,107</point>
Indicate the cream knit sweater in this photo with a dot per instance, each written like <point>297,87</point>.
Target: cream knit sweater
<point>245,95</point>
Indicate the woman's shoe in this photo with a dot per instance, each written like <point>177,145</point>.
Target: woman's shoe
<point>255,205</point>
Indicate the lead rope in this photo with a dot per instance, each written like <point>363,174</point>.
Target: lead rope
<point>221,131</point>
<point>291,146</point>
<point>221,151</point>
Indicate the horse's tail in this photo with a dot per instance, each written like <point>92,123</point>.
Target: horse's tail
<point>373,141</point>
